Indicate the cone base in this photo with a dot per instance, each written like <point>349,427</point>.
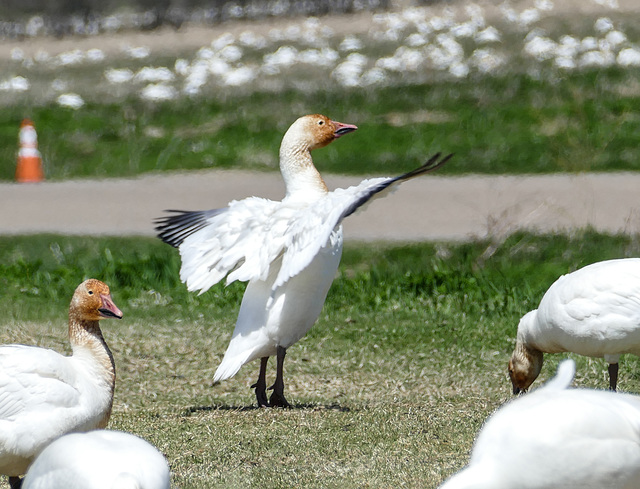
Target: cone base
<point>29,170</point>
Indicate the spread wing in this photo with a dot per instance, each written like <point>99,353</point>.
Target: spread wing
<point>240,241</point>
<point>244,240</point>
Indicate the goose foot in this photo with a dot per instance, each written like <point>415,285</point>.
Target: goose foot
<point>613,376</point>
<point>261,394</point>
<point>277,398</point>
<point>15,482</point>
<point>261,384</point>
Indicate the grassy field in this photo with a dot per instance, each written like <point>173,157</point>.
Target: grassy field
<point>390,387</point>
<point>409,355</point>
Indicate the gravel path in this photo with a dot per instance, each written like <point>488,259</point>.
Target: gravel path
<point>428,208</point>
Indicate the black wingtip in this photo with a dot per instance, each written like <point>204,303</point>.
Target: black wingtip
<point>175,228</point>
<point>432,164</point>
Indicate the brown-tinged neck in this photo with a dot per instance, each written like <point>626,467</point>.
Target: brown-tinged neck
<point>89,345</point>
<point>531,356</point>
<point>298,171</point>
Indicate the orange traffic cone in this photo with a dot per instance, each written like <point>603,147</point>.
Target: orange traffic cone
<point>29,168</point>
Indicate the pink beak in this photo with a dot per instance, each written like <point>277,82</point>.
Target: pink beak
<point>109,309</point>
<point>342,129</point>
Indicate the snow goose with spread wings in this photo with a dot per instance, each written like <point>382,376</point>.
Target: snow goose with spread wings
<point>288,251</point>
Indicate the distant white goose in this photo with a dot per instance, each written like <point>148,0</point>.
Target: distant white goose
<point>594,311</point>
<point>557,438</point>
<point>99,459</point>
<point>288,251</point>
<point>44,394</point>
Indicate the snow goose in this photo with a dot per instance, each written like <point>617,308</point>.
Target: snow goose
<point>287,251</point>
<point>100,459</point>
<point>44,394</point>
<point>594,311</point>
<point>557,438</point>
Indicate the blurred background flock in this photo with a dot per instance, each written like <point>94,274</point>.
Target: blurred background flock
<point>411,44</point>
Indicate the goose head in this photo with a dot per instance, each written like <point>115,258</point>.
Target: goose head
<point>92,302</point>
<point>315,131</point>
<point>307,133</point>
<point>524,367</point>
<point>526,361</point>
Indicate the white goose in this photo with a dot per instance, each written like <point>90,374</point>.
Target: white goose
<point>44,394</point>
<point>100,459</point>
<point>594,311</point>
<point>557,438</point>
<point>288,251</point>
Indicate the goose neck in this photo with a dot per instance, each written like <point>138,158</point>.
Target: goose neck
<point>298,171</point>
<point>89,346</point>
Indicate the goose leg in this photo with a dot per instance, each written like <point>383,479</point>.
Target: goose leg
<point>261,384</point>
<point>613,376</point>
<point>15,482</point>
<point>277,397</point>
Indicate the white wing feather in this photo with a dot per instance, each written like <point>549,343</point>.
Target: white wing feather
<point>307,234</point>
<point>242,241</point>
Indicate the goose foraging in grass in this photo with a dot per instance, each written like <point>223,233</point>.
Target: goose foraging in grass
<point>557,437</point>
<point>287,251</point>
<point>44,394</point>
<point>100,459</point>
<point>594,311</point>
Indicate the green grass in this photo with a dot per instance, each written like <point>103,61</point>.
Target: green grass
<point>390,386</point>
<point>508,124</point>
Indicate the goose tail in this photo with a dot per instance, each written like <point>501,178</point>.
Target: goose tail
<point>564,376</point>
<point>230,366</point>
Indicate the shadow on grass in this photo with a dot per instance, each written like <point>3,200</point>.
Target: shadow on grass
<point>302,406</point>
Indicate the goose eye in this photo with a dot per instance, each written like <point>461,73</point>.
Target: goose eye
<point>320,123</point>
<point>91,292</point>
